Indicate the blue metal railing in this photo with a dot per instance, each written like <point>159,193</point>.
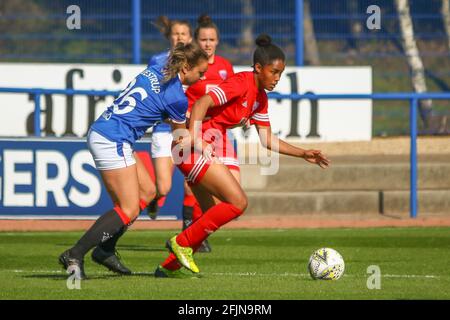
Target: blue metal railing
<point>136,31</point>
<point>299,42</point>
<point>413,108</point>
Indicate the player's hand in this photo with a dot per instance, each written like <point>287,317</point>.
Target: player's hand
<point>316,157</point>
<point>247,126</point>
<point>182,140</point>
<point>208,152</point>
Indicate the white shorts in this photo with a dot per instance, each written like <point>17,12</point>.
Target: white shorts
<point>108,154</point>
<point>162,144</point>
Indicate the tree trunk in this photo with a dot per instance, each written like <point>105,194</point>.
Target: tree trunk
<point>247,38</point>
<point>311,49</point>
<point>414,60</point>
<point>445,11</point>
<point>354,24</point>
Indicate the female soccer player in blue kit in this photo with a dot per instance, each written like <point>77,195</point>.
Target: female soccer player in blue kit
<point>175,31</point>
<point>154,96</point>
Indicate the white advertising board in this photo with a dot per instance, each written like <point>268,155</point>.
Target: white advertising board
<point>305,120</point>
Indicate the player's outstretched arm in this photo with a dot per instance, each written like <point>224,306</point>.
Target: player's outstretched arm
<point>180,134</point>
<point>273,143</point>
<point>198,113</point>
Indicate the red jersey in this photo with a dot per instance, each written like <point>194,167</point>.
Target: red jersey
<point>217,72</point>
<point>237,100</point>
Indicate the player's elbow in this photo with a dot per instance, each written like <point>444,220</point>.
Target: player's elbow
<point>204,103</point>
<point>266,143</point>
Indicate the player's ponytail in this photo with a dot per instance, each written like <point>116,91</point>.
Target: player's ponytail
<point>164,25</point>
<point>183,54</point>
<point>205,22</point>
<point>266,52</point>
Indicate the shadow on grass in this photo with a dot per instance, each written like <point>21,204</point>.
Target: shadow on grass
<point>65,245</point>
<point>64,276</point>
<point>141,248</point>
<point>125,247</point>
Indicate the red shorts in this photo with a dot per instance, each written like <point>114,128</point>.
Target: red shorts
<point>194,165</point>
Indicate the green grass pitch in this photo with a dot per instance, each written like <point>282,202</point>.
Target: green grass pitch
<point>244,264</point>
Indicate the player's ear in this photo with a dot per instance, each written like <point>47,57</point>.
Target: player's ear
<point>185,68</point>
<point>258,67</point>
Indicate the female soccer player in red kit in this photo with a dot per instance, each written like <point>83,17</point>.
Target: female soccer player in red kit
<point>207,36</point>
<point>235,101</point>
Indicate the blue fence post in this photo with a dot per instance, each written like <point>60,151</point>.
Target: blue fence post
<point>37,114</point>
<point>136,23</point>
<point>413,157</point>
<point>299,32</point>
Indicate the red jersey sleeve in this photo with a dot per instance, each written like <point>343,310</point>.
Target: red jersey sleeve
<point>233,87</point>
<point>261,114</point>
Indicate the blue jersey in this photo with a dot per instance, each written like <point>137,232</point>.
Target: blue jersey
<point>159,61</point>
<point>145,102</point>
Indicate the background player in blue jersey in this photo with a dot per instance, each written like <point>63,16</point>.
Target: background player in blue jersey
<point>175,31</point>
<point>154,96</point>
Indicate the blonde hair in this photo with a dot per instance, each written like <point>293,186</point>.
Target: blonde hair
<point>183,54</point>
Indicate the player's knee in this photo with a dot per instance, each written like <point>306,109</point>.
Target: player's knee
<point>164,188</point>
<point>148,194</point>
<point>240,201</point>
<point>131,210</point>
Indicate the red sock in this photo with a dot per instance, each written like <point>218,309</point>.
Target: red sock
<point>142,204</point>
<point>197,212</point>
<point>212,220</point>
<point>171,263</point>
<point>161,201</point>
<point>189,200</point>
<point>125,219</point>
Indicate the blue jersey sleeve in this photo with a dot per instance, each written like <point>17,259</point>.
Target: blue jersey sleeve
<point>159,60</point>
<point>177,111</point>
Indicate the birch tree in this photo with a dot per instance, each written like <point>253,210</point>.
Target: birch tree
<point>354,24</point>
<point>413,57</point>
<point>445,11</point>
<point>311,49</point>
<point>248,11</point>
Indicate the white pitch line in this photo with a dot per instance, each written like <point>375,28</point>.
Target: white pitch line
<point>254,274</point>
<point>36,271</point>
<point>428,276</point>
<point>240,274</point>
<point>144,273</point>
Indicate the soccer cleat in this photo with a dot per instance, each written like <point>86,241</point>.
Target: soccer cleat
<point>152,209</point>
<point>162,272</point>
<point>73,265</point>
<point>110,260</point>
<point>205,247</point>
<point>183,254</point>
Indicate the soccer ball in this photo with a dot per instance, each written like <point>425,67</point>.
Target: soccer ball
<point>326,264</point>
